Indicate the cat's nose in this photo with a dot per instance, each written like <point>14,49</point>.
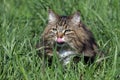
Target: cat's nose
<point>60,40</point>
<point>60,35</point>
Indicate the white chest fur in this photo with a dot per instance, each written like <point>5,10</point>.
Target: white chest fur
<point>65,56</point>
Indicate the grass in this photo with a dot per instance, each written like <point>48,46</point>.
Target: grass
<point>22,22</point>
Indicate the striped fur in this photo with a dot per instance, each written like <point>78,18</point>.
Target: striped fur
<point>77,37</point>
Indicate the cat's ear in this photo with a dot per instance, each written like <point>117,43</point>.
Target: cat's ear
<point>52,17</point>
<point>75,18</point>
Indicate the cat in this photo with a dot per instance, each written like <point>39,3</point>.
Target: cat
<point>69,36</point>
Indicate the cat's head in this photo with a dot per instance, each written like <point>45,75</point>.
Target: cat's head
<point>61,29</point>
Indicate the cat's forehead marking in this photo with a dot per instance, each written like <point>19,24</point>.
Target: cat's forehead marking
<point>62,23</point>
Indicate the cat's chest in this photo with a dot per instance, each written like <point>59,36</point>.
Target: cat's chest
<point>66,56</point>
<point>65,53</point>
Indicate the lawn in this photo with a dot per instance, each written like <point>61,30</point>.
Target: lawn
<point>23,21</point>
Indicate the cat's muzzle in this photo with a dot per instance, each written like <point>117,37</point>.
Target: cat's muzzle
<point>60,43</point>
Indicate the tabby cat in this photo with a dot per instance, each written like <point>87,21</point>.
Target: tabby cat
<point>69,36</point>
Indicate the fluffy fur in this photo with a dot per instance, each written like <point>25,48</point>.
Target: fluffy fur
<point>69,36</point>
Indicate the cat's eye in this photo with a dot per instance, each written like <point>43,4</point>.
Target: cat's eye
<point>54,29</point>
<point>67,30</point>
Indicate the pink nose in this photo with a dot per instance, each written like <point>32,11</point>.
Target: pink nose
<point>60,40</point>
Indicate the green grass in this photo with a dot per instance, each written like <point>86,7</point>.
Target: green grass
<point>22,22</point>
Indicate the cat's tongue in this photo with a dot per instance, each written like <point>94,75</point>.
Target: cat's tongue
<point>60,40</point>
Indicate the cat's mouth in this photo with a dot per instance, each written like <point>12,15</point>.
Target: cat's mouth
<point>60,43</point>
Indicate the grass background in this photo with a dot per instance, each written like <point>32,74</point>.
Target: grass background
<point>22,22</point>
